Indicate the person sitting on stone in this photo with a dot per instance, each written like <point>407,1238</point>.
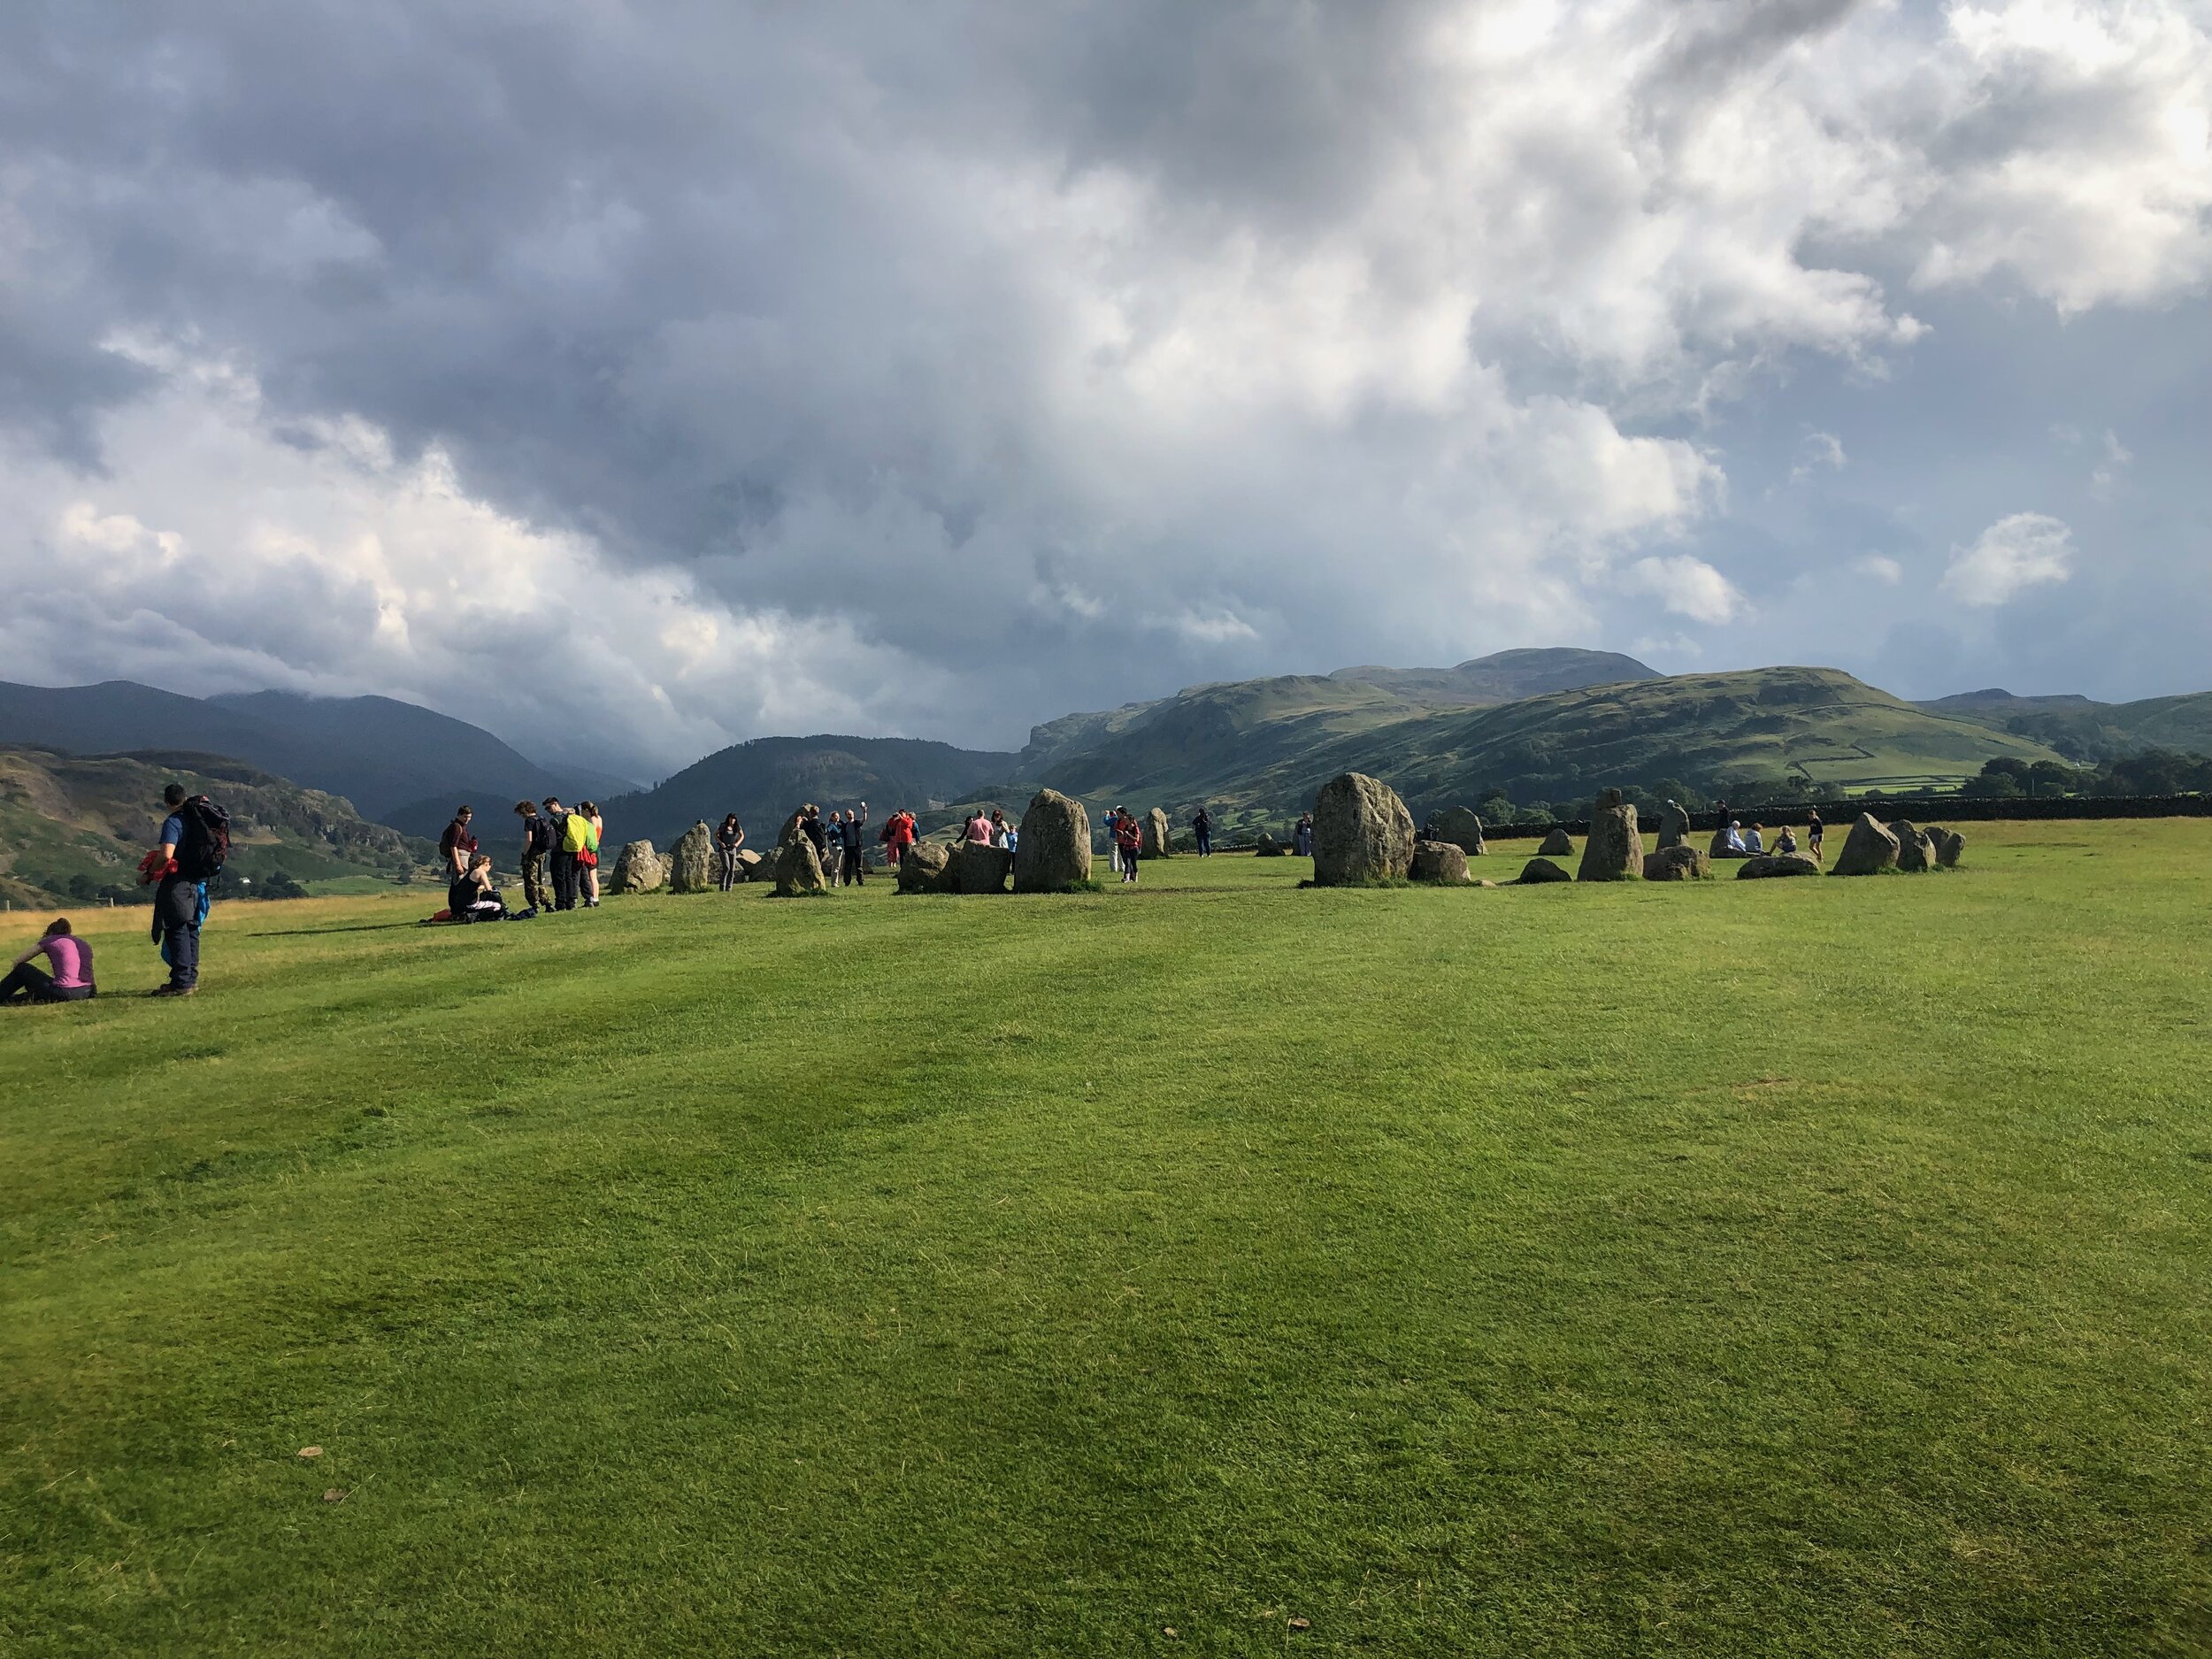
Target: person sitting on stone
<point>70,980</point>
<point>1754,843</point>
<point>472,897</point>
<point>1731,841</point>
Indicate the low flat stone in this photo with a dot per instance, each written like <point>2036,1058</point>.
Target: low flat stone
<point>1439,863</point>
<point>1677,863</point>
<point>1777,865</point>
<point>1539,869</point>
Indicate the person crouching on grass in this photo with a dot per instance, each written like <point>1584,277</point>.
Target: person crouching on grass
<point>70,980</point>
<point>472,897</point>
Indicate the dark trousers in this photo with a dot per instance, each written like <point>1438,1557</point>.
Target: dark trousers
<point>564,871</point>
<point>534,890</point>
<point>179,902</point>
<point>853,873</point>
<point>1205,842</point>
<point>35,985</point>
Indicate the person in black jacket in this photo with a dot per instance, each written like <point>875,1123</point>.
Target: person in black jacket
<point>536,842</point>
<point>1202,827</point>
<point>853,871</point>
<point>564,871</point>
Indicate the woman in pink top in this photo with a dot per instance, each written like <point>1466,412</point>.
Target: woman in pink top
<point>72,979</point>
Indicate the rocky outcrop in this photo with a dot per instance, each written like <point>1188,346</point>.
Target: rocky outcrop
<point>798,868</point>
<point>1916,851</point>
<point>977,867</point>
<point>1440,862</point>
<point>1458,825</point>
<point>1615,850</point>
<point>1677,863</point>
<point>1540,870</point>
<point>637,868</point>
<point>1362,832</point>
<point>1156,839</point>
<point>1055,844</point>
<point>1764,865</point>
<point>691,861</point>
<point>926,868</point>
<point>1868,850</point>
<point>1558,844</point>
<point>1948,845</point>
<point>1674,826</point>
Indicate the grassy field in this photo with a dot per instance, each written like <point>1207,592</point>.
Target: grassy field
<point>1791,1267</point>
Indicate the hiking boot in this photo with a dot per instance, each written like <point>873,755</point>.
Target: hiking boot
<point>175,990</point>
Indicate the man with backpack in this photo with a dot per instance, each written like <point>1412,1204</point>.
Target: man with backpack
<point>194,844</point>
<point>564,855</point>
<point>537,841</point>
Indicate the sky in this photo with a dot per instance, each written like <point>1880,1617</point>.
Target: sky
<point>634,379</point>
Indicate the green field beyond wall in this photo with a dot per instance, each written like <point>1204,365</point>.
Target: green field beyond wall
<point>1812,1267</point>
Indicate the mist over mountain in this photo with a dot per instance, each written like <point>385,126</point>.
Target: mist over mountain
<point>395,763</point>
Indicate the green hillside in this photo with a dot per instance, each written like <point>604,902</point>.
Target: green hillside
<point>1503,676</point>
<point>73,828</point>
<point>1260,749</point>
<point>2085,730</point>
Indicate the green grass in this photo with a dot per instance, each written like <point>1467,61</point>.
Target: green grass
<point>1731,1268</point>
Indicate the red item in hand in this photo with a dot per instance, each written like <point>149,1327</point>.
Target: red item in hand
<point>153,867</point>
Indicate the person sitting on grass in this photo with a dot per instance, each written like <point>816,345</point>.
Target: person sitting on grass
<point>472,897</point>
<point>70,980</point>
<point>1786,843</point>
<point>1754,843</point>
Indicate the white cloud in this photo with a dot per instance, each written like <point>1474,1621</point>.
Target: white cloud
<point>2024,550</point>
<point>1881,567</point>
<point>1687,586</point>
<point>2117,459</point>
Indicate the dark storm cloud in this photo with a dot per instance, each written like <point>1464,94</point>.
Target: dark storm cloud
<point>940,367</point>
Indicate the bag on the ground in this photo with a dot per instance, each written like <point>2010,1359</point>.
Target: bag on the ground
<point>206,843</point>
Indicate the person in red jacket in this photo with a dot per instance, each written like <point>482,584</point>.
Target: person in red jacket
<point>1128,841</point>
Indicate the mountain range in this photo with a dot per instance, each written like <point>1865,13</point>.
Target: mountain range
<point>1526,731</point>
<point>395,763</point>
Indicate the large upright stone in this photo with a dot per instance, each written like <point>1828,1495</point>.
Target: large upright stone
<point>1916,851</point>
<point>691,861</point>
<point>1615,851</point>
<point>790,828</point>
<point>1948,845</point>
<point>925,868</point>
<point>1868,850</point>
<point>637,868</point>
<point>1458,825</point>
<point>1056,847</point>
<point>1674,826</point>
<point>1362,832</point>
<point>1440,862</point>
<point>978,867</point>
<point>1677,863</point>
<point>1154,838</point>
<point>1558,844</point>
<point>798,868</point>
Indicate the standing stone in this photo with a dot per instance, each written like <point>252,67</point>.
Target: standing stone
<point>798,868</point>
<point>1154,836</point>
<point>1674,826</point>
<point>1948,845</point>
<point>791,829</point>
<point>1267,847</point>
<point>1615,851</point>
<point>1440,862</point>
<point>1362,832</point>
<point>926,869</point>
<point>1868,850</point>
<point>977,867</point>
<point>691,861</point>
<point>1677,863</point>
<point>1916,851</point>
<point>637,869</point>
<point>1537,870</point>
<point>1056,847</point>
<point>1558,844</point>
<point>1458,825</point>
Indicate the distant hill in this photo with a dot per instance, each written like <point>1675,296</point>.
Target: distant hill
<point>1504,676</point>
<point>2083,729</point>
<point>1258,749</point>
<point>72,829</point>
<point>395,763</point>
<point>765,780</point>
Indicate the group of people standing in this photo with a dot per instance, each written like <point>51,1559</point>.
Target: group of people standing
<point>837,841</point>
<point>560,853</point>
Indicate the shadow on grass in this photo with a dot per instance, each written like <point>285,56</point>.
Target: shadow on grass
<point>351,927</point>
